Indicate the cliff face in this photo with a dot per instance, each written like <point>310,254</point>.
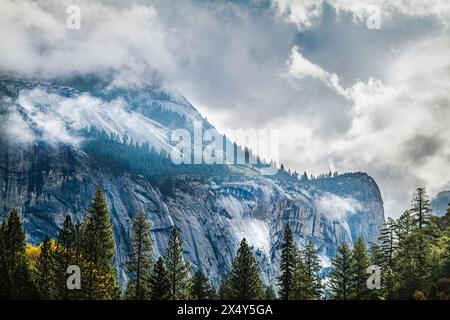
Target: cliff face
<point>213,215</point>
<point>48,181</point>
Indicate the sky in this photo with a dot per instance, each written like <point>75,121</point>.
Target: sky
<point>344,95</point>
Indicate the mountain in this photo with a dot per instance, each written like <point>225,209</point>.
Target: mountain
<point>440,203</point>
<point>60,139</point>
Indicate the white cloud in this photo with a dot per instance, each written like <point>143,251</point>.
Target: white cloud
<point>337,208</point>
<point>228,60</point>
<point>35,39</point>
<point>305,13</point>
<point>399,127</point>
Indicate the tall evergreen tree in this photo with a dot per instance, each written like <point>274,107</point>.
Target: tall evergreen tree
<point>225,290</point>
<point>16,276</point>
<point>67,254</point>
<point>201,288</point>
<point>46,270</point>
<point>288,260</point>
<point>405,225</point>
<point>160,282</point>
<point>421,207</point>
<point>269,293</point>
<point>340,276</point>
<point>4,276</point>
<point>300,284</point>
<point>387,243</point>
<point>313,268</point>
<point>98,248</point>
<point>140,259</point>
<point>245,282</point>
<point>177,269</point>
<point>358,270</point>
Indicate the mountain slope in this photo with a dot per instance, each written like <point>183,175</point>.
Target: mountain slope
<point>47,174</point>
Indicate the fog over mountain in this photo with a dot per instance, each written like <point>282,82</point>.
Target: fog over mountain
<point>343,96</point>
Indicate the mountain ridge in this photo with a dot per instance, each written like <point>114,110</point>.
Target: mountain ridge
<point>48,178</point>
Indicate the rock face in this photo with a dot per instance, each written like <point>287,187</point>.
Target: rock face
<point>440,203</point>
<point>48,181</point>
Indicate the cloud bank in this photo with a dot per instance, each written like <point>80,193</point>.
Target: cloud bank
<point>343,96</point>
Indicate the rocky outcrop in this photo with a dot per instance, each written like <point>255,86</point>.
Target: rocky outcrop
<point>47,183</point>
<point>45,173</point>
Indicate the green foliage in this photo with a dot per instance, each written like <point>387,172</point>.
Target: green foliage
<point>225,289</point>
<point>67,254</point>
<point>122,154</point>
<point>160,282</point>
<point>269,293</point>
<point>178,270</point>
<point>15,275</point>
<point>46,277</point>
<point>340,280</point>
<point>387,243</point>
<point>300,284</point>
<point>312,267</point>
<point>98,248</point>
<point>201,289</point>
<point>288,260</point>
<point>140,259</point>
<point>359,264</point>
<point>245,283</point>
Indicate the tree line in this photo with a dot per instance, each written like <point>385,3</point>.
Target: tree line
<point>413,254</point>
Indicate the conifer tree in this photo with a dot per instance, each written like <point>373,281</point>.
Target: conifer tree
<point>140,259</point>
<point>66,254</point>
<point>405,225</point>
<point>177,269</point>
<point>46,271</point>
<point>3,266</point>
<point>421,207</point>
<point>201,288</point>
<point>300,284</point>
<point>340,275</point>
<point>387,243</point>
<point>269,293</point>
<point>288,260</point>
<point>312,269</point>
<point>358,270</point>
<point>160,282</point>
<point>98,247</point>
<point>225,290</point>
<point>245,282</point>
<point>17,281</point>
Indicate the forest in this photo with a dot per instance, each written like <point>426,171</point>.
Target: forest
<point>413,254</point>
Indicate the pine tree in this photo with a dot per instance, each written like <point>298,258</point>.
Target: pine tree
<point>3,266</point>
<point>225,290</point>
<point>288,261</point>
<point>98,247</point>
<point>269,293</point>
<point>312,268</point>
<point>358,270</point>
<point>177,269</point>
<point>67,254</point>
<point>387,243</point>
<point>340,275</point>
<point>201,289</point>
<point>16,276</point>
<point>245,282</point>
<point>140,259</point>
<point>46,271</point>
<point>414,265</point>
<point>160,282</point>
<point>421,207</point>
<point>405,225</point>
<point>300,284</point>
